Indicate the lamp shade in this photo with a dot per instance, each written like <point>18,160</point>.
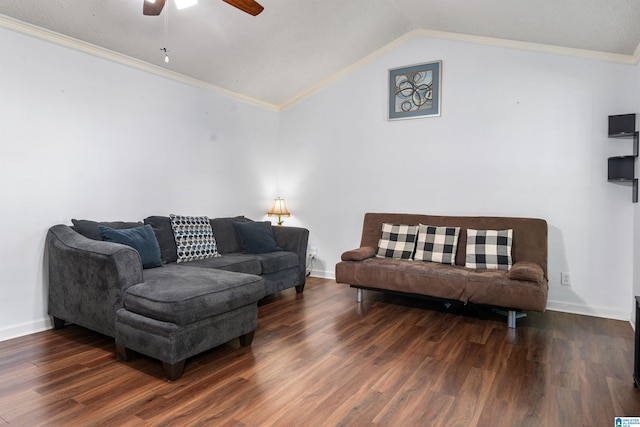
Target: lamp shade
<point>278,208</point>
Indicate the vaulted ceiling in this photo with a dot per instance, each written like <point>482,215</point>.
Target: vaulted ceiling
<point>295,45</point>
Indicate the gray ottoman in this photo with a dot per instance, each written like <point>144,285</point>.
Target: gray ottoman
<point>180,311</point>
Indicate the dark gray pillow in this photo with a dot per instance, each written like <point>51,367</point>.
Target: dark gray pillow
<point>89,228</point>
<point>226,235</point>
<point>256,237</point>
<point>141,239</point>
<point>164,233</point>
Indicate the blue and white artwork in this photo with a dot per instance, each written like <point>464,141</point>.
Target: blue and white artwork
<point>414,91</point>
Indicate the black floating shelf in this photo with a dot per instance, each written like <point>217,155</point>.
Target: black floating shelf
<point>622,169</point>
<point>623,135</point>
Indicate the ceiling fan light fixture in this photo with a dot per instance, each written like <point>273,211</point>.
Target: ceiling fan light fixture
<point>182,4</point>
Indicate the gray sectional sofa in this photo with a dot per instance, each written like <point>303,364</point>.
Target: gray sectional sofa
<point>176,310</point>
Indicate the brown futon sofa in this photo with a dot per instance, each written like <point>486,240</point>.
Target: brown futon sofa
<point>521,286</point>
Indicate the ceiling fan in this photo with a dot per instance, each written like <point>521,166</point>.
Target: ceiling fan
<point>154,7</point>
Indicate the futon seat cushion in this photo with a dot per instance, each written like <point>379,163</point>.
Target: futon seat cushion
<point>183,295</point>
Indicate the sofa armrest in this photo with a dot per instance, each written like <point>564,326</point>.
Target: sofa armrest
<point>526,270</point>
<point>88,278</point>
<point>294,239</point>
<point>359,254</point>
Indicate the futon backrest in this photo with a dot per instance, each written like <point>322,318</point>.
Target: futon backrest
<point>529,234</point>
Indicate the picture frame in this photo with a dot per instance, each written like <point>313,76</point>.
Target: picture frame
<point>415,91</point>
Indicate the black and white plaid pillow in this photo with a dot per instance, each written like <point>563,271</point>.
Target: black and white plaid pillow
<point>437,244</point>
<point>489,249</point>
<point>398,241</point>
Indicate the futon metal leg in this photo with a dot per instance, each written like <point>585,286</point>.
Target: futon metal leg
<point>512,316</point>
<point>511,319</point>
<point>359,295</point>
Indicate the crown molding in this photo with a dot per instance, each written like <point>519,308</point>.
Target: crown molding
<point>100,52</point>
<point>82,46</point>
<point>489,41</point>
<point>351,68</point>
<point>532,47</point>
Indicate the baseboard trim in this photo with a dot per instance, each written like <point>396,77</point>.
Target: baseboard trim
<point>23,329</point>
<point>323,274</point>
<point>607,313</point>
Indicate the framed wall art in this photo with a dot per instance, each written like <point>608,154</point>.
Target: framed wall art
<point>415,91</point>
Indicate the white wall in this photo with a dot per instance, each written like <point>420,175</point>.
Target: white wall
<point>83,137</point>
<point>521,134</point>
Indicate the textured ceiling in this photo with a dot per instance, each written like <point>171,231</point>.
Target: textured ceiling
<point>296,44</point>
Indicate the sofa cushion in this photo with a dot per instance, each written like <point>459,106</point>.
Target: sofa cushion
<point>238,262</point>
<point>183,295</point>
<point>141,239</point>
<point>437,244</point>
<point>194,237</point>
<point>452,282</point>
<point>226,235</point>
<point>164,233</point>
<point>89,228</point>
<point>277,261</point>
<point>398,241</point>
<point>489,249</point>
<point>266,263</point>
<point>256,237</point>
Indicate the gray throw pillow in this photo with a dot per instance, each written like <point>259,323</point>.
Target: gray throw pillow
<point>226,235</point>
<point>89,228</point>
<point>141,239</point>
<point>256,237</point>
<point>164,233</point>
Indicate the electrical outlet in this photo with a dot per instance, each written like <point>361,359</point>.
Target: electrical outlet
<point>565,279</point>
<point>314,252</point>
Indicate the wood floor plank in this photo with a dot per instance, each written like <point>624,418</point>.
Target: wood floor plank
<point>321,359</point>
<point>470,401</point>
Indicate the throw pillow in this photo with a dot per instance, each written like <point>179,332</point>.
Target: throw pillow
<point>398,241</point>
<point>256,237</point>
<point>194,237</point>
<point>164,233</point>
<point>489,249</point>
<point>226,235</point>
<point>89,229</point>
<point>142,239</point>
<point>437,244</point>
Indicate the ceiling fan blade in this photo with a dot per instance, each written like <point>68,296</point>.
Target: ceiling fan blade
<point>153,8</point>
<point>249,6</point>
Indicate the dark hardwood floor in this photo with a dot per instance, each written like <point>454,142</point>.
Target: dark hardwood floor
<point>321,359</point>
